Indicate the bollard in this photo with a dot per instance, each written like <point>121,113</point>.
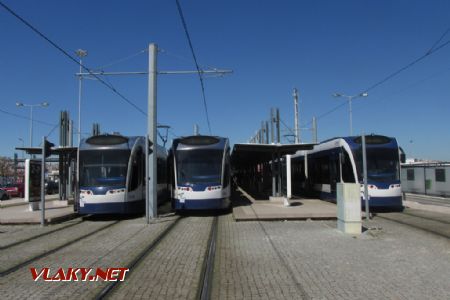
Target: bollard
<point>349,208</point>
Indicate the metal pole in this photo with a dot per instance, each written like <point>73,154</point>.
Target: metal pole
<point>350,112</point>
<point>366,191</point>
<point>71,167</point>
<point>314,130</point>
<point>263,134</point>
<point>272,120</point>
<point>297,130</point>
<point>43,183</point>
<point>288,177</point>
<point>31,126</point>
<point>80,54</point>
<point>151,194</point>
<point>278,127</point>
<point>279,192</point>
<point>267,133</point>
<point>272,168</point>
<point>196,131</point>
<point>80,80</point>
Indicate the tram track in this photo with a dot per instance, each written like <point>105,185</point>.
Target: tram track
<point>302,292</point>
<point>28,260</point>
<point>41,234</point>
<point>427,224</point>
<point>107,290</point>
<point>207,268</point>
<point>426,217</point>
<point>204,291</point>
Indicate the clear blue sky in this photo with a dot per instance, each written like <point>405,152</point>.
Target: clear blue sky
<point>320,47</point>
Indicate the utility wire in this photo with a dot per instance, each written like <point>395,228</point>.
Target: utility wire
<point>428,53</point>
<point>432,50</point>
<point>101,68</point>
<point>25,118</point>
<point>196,63</point>
<point>184,59</point>
<point>288,128</point>
<point>439,40</point>
<point>70,57</point>
<point>173,133</point>
<point>51,131</point>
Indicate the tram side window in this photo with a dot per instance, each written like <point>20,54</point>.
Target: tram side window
<point>226,179</point>
<point>410,174</point>
<point>325,170</point>
<point>321,170</point>
<point>440,175</point>
<point>135,171</point>
<point>347,170</point>
<point>161,171</point>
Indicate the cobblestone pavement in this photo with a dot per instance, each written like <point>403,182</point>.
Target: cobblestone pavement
<point>305,259</point>
<point>427,221</point>
<point>10,234</point>
<point>248,267</point>
<point>254,260</point>
<point>172,270</point>
<point>109,248</point>
<point>14,255</point>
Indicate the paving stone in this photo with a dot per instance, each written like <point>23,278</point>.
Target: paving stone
<point>173,269</point>
<point>110,248</point>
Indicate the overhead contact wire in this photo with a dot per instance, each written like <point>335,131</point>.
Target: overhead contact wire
<point>71,57</point>
<point>196,63</point>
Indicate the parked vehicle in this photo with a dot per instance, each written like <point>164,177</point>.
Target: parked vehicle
<point>112,174</point>
<point>317,171</point>
<point>51,187</point>
<point>200,173</point>
<point>14,189</point>
<point>3,195</point>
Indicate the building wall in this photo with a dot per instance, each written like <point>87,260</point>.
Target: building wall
<point>425,181</point>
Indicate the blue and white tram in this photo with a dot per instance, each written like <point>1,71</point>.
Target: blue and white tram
<point>112,174</point>
<point>340,160</point>
<point>200,173</point>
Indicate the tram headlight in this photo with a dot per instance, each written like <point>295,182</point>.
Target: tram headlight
<point>392,186</point>
<point>185,188</point>
<point>116,191</point>
<point>85,192</point>
<point>213,188</point>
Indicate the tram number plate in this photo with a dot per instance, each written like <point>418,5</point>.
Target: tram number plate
<point>181,197</point>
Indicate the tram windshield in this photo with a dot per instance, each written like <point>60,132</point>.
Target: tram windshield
<point>103,167</point>
<point>199,166</point>
<point>382,164</point>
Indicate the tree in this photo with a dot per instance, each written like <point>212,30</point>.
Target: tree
<point>6,167</point>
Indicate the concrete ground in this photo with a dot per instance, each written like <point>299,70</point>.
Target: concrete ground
<point>17,211</point>
<point>254,259</point>
<point>247,208</point>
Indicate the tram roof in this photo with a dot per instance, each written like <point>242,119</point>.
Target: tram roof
<point>248,154</point>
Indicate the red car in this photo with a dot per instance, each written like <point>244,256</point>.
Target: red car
<point>14,190</point>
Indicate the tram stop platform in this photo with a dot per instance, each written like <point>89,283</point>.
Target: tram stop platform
<point>247,208</point>
<point>16,211</point>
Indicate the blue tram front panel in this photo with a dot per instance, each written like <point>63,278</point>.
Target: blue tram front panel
<point>201,197</point>
<point>108,200</point>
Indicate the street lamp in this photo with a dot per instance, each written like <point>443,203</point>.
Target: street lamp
<point>350,98</point>
<point>23,144</point>
<point>80,53</point>
<point>43,104</point>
